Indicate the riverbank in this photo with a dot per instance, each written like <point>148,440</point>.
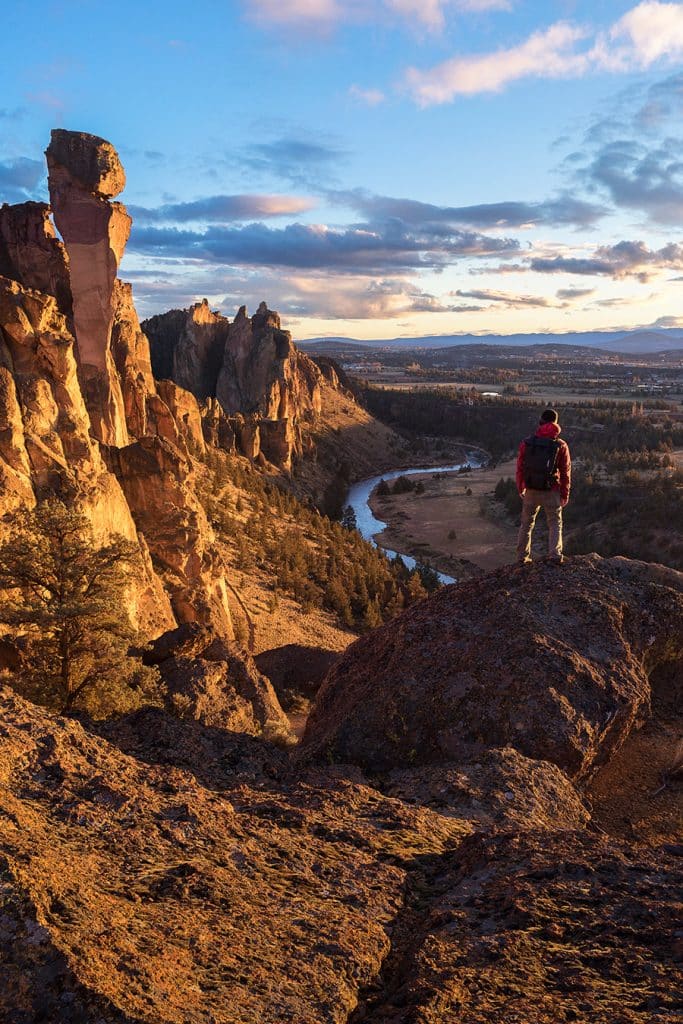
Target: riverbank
<point>421,525</point>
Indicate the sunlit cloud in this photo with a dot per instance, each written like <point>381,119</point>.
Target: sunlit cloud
<point>650,32</point>
<point>625,259</point>
<point>508,299</point>
<point>222,209</point>
<point>323,15</point>
<point>370,97</point>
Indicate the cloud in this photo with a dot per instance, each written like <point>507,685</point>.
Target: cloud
<point>548,54</point>
<point>570,294</point>
<point>625,259</point>
<point>301,161</point>
<point>370,97</point>
<point>364,249</point>
<point>641,177</point>
<point>222,209</point>
<point>650,32</point>
<point>634,156</point>
<point>357,298</point>
<point>560,210</point>
<point>645,34</point>
<point>20,178</point>
<point>324,15</point>
<point>511,301</point>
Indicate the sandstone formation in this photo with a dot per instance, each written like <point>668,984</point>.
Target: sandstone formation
<point>267,389</point>
<point>84,173</point>
<point>551,661</point>
<point>30,251</point>
<point>78,400</point>
<point>187,347</point>
<point>216,683</point>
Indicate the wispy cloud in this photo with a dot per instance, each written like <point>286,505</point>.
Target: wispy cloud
<point>650,32</point>
<point>370,97</point>
<point>560,210</point>
<point>222,209</point>
<point>574,294</point>
<point>324,15</point>
<point>633,156</point>
<point>301,161</point>
<point>506,298</point>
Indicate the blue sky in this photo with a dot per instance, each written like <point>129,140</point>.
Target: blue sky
<point>374,168</point>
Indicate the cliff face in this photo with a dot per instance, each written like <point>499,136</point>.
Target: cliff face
<point>80,412</point>
<point>252,369</point>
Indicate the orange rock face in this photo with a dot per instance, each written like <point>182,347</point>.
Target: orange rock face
<point>83,173</point>
<point>75,374</point>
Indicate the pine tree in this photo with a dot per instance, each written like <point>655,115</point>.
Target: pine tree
<point>348,519</point>
<point>65,596</point>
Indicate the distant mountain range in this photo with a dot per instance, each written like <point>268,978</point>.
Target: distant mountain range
<point>645,342</point>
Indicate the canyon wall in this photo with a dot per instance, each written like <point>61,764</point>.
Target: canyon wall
<point>80,413</point>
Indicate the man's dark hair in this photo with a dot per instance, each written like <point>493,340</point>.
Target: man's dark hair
<point>549,416</point>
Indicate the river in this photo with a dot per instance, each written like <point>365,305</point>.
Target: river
<point>368,524</point>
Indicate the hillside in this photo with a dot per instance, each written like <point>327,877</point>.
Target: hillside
<point>172,871</point>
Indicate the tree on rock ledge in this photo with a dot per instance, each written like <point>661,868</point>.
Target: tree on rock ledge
<point>64,596</point>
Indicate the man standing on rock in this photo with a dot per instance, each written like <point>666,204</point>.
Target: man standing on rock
<point>544,471</point>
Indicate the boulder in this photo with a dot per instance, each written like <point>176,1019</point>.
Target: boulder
<point>553,661</point>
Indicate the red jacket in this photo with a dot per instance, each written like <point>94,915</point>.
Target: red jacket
<point>563,466</point>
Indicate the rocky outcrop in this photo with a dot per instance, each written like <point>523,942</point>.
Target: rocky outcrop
<point>84,174</point>
<point>157,480</point>
<point>76,383</point>
<point>538,927</point>
<point>170,898</point>
<point>242,886</point>
<point>216,683</point>
<point>263,384</point>
<point>551,661</point>
<point>187,347</point>
<point>45,440</point>
<point>31,253</point>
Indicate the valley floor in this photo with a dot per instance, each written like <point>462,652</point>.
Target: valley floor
<point>420,524</point>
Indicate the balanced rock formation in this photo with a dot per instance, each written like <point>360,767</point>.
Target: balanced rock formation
<point>84,173</point>
<point>551,661</point>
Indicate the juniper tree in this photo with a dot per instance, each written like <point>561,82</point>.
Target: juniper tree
<point>64,595</point>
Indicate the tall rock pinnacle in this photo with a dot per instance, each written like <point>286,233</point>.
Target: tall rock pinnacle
<point>84,174</point>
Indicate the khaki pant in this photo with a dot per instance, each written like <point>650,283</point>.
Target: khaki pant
<point>532,501</point>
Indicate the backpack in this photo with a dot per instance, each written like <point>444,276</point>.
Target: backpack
<point>539,463</point>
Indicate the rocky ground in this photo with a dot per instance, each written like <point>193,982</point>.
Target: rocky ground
<point>446,869</point>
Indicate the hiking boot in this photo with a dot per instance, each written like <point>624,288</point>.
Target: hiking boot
<point>524,561</point>
<point>555,559</point>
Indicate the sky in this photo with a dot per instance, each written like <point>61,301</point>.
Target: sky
<point>373,168</point>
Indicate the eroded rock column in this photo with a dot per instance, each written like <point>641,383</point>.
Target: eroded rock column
<point>84,174</point>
